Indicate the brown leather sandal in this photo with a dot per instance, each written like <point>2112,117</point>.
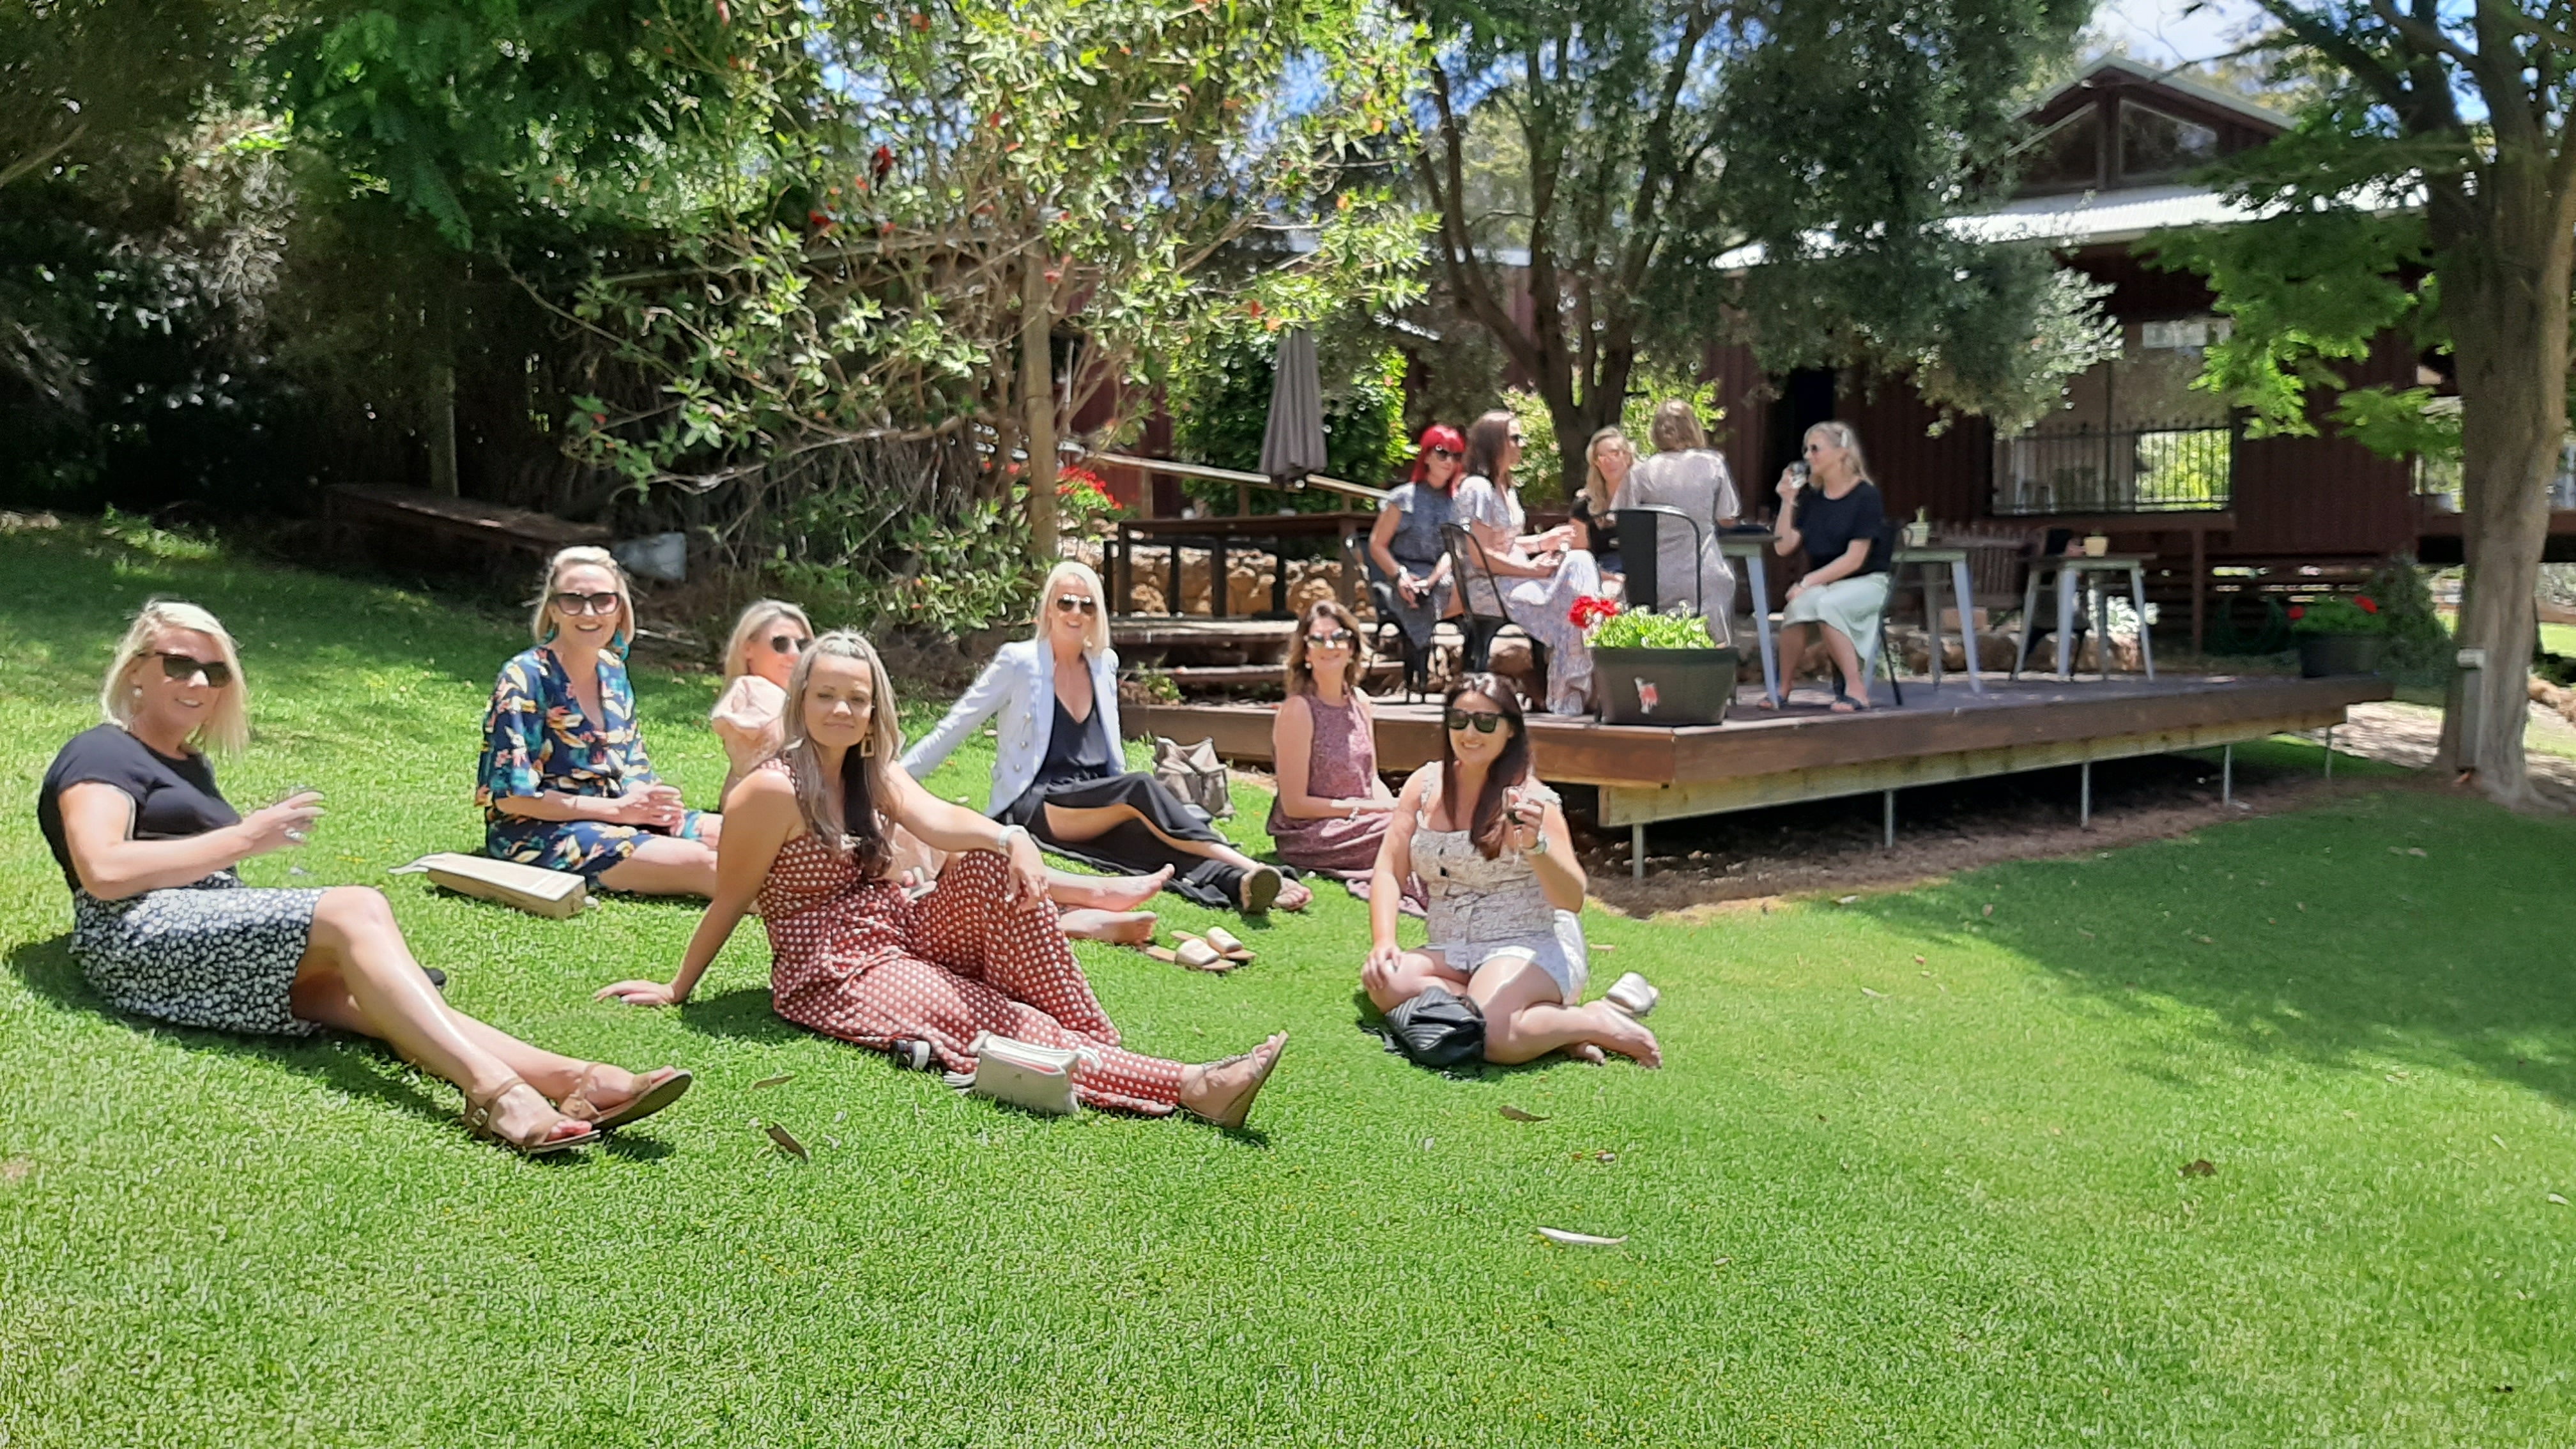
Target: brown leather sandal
<point>655,1090</point>
<point>478,1117</point>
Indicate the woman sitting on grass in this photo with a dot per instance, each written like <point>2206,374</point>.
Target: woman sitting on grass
<point>1331,810</point>
<point>767,640</point>
<point>565,783</point>
<point>1490,845</point>
<point>164,929</point>
<point>853,956</point>
<point>1060,770</point>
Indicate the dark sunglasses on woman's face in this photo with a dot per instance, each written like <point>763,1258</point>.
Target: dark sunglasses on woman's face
<point>1337,640</point>
<point>1067,603</point>
<point>1444,452</point>
<point>586,603</point>
<point>184,667</point>
<point>788,643</point>
<point>1486,721</point>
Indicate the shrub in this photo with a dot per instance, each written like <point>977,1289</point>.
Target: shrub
<point>2335,614</point>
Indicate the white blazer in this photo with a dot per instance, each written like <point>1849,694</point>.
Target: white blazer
<point>1019,686</point>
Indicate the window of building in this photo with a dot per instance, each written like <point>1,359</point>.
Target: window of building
<point>2068,155</point>
<point>2154,144</point>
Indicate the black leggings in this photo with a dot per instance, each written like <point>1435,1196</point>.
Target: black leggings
<point>1131,847</point>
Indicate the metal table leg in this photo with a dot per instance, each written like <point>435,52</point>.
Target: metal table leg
<point>2101,621</point>
<point>1960,588</point>
<point>1931,574</point>
<point>1637,851</point>
<point>2029,607</point>
<point>2138,601</point>
<point>1761,582</point>
<point>2065,623</point>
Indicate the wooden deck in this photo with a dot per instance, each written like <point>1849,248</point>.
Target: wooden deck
<point>1758,758</point>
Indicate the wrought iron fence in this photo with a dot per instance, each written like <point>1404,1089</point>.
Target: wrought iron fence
<point>2438,480</point>
<point>2149,469</point>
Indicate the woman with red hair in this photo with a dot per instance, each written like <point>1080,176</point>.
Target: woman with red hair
<point>1409,566</point>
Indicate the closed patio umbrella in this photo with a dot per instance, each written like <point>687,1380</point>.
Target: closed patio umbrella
<point>1293,446</point>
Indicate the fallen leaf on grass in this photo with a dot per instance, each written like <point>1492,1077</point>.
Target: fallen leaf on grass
<point>2200,1167</point>
<point>1579,1240</point>
<point>2087,935</point>
<point>1600,946</point>
<point>1865,991</point>
<point>16,1169</point>
<point>2498,1141</point>
<point>782,1079</point>
<point>2562,1202</point>
<point>1846,900</point>
<point>1605,1157</point>
<point>2416,850</point>
<point>1515,1114</point>
<point>1722,1262</point>
<point>1918,960</point>
<point>788,1144</point>
<point>1989,910</point>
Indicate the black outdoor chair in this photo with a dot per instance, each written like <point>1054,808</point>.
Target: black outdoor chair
<point>1382,597</point>
<point>1882,558</point>
<point>2050,545</point>
<point>1641,550</point>
<point>1474,573</point>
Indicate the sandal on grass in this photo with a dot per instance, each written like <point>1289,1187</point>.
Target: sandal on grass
<point>1225,943</point>
<point>1260,889</point>
<point>1241,1108</point>
<point>1194,953</point>
<point>480,1112</point>
<point>654,1091</point>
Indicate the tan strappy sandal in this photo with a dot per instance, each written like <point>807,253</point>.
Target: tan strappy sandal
<point>1194,953</point>
<point>479,1112</point>
<point>1242,1108</point>
<point>655,1090</point>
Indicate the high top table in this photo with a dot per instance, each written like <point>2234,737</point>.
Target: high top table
<point>1754,549</point>
<point>1927,562</point>
<point>2070,570</point>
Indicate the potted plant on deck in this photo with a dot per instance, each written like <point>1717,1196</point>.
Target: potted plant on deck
<point>1654,669</point>
<point>2338,635</point>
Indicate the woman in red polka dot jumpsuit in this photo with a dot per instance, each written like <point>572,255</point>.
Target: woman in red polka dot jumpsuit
<point>853,957</point>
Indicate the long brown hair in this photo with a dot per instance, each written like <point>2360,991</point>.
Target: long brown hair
<point>1488,438</point>
<point>1487,826</point>
<point>1301,674</point>
<point>846,814</point>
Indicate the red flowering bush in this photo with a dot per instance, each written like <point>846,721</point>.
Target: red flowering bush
<point>1591,609</point>
<point>1084,495</point>
<point>2338,614</point>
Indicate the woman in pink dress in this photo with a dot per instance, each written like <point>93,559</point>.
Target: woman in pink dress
<point>1330,812</point>
<point>853,956</point>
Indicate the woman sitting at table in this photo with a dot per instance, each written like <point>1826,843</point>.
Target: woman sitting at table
<point>853,956</point>
<point>1059,769</point>
<point>1607,461</point>
<point>1406,548</point>
<point>564,782</point>
<point>1331,809</point>
<point>1834,514</point>
<point>1686,475</point>
<point>1539,575</point>
<point>767,641</point>
<point>164,928</point>
<point>1490,845</point>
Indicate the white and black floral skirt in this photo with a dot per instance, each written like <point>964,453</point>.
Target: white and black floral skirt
<point>216,954</point>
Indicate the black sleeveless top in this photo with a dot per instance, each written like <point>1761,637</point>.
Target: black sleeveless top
<point>1075,751</point>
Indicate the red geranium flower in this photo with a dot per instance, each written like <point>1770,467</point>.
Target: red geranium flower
<point>2298,611</point>
<point>2368,604</point>
<point>1591,609</point>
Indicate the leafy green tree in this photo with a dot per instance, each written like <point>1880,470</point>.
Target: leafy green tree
<point>2432,193</point>
<point>1663,144</point>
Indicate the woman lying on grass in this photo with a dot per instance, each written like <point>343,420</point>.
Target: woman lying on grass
<point>853,956</point>
<point>1490,845</point>
<point>164,929</point>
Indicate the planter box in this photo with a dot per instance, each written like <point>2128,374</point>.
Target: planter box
<point>2324,654</point>
<point>1664,686</point>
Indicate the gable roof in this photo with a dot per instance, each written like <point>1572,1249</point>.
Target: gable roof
<point>2121,70</point>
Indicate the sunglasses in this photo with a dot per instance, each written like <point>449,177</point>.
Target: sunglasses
<point>1067,603</point>
<point>586,603</point>
<point>1517,440</point>
<point>1339,640</point>
<point>788,643</point>
<point>1485,721</point>
<point>184,667</point>
<point>1444,452</point>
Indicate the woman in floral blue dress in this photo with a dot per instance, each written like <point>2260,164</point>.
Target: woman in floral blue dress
<point>564,782</point>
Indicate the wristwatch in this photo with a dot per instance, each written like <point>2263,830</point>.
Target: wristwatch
<point>1009,832</point>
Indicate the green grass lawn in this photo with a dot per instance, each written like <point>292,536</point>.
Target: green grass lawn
<point>1912,1175</point>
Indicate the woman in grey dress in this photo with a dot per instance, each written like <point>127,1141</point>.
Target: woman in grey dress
<point>1685,474</point>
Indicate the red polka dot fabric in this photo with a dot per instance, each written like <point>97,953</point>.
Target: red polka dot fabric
<point>856,959</point>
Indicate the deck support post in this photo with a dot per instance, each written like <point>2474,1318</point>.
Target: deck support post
<point>2084,809</point>
<point>1637,851</point>
<point>2227,775</point>
<point>1890,812</point>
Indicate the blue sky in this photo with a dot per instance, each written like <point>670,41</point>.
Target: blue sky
<point>2173,30</point>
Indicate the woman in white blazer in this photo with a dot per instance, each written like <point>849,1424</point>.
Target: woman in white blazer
<point>1061,769</point>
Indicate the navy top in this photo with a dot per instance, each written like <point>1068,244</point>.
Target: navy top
<point>1423,509</point>
<point>1828,525</point>
<point>173,798</point>
<point>1075,751</point>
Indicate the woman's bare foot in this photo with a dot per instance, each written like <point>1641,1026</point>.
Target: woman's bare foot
<point>1626,1035</point>
<point>1118,928</point>
<point>519,1116</point>
<point>1222,1092</point>
<point>1106,892</point>
<point>1586,1052</point>
<point>1294,895</point>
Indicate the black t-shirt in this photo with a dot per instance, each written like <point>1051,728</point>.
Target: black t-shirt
<point>1600,531</point>
<point>1828,525</point>
<point>173,799</point>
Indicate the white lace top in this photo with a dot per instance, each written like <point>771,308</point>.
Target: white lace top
<point>1474,899</point>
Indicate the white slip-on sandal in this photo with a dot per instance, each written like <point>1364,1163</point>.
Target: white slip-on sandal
<point>1633,994</point>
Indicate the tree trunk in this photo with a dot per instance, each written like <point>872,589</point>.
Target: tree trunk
<point>2505,286</point>
<point>442,427</point>
<point>1037,398</point>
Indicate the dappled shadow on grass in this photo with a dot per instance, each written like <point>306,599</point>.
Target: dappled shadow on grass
<point>744,1012</point>
<point>2434,933</point>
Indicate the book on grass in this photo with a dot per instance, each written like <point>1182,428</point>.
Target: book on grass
<point>538,891</point>
<point>1021,1073</point>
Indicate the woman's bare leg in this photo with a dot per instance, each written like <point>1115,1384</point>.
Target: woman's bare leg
<point>1077,824</point>
<point>664,865</point>
<point>358,974</point>
<point>1389,988</point>
<point>1118,928</point>
<point>1526,1018</point>
<point>1105,892</point>
<point>1846,659</point>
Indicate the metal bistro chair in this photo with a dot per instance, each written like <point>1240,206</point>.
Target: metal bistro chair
<point>1382,598</point>
<point>1473,570</point>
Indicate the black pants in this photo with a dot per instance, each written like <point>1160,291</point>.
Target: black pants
<point>1130,847</point>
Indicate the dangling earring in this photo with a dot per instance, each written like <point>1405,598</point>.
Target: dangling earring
<point>868,748</point>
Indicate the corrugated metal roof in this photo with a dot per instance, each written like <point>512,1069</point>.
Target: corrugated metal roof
<point>2087,218</point>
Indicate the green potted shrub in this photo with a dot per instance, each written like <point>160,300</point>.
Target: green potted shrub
<point>2338,635</point>
<point>1655,669</point>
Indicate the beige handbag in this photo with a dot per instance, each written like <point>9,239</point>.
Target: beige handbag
<point>1194,775</point>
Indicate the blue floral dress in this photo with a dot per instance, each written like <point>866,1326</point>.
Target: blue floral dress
<point>536,740</point>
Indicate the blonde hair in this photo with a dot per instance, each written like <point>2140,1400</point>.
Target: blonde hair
<point>1301,674</point>
<point>1095,635</point>
<point>865,781</point>
<point>1844,438</point>
<point>1676,427</point>
<point>227,726</point>
<point>1594,485</point>
<point>756,616</point>
<point>541,624</point>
